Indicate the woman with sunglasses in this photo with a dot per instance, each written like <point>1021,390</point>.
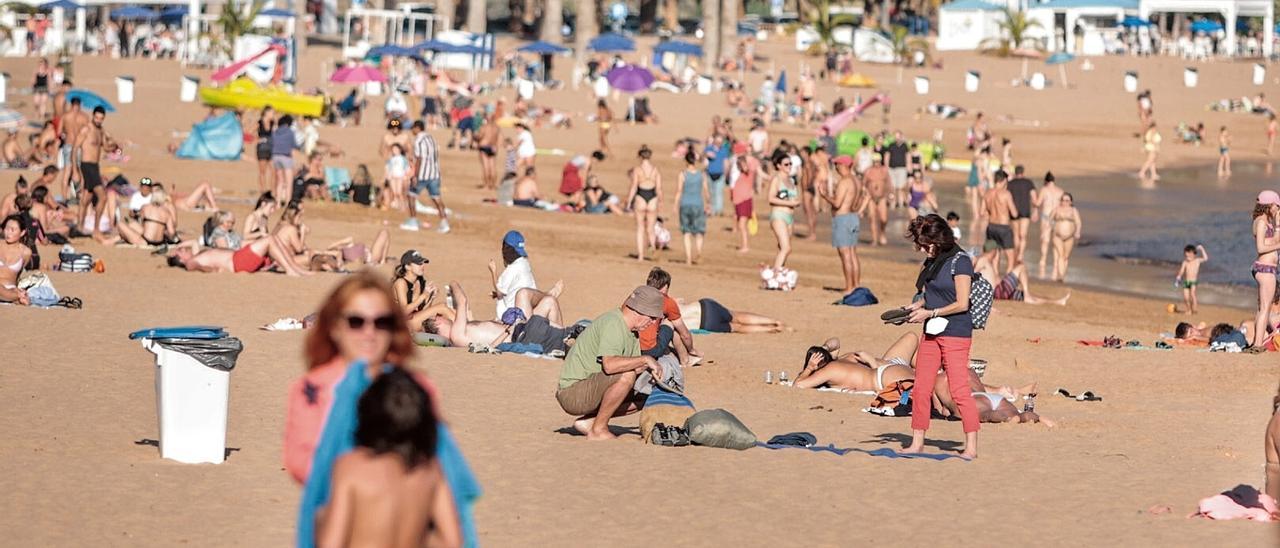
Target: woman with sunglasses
<point>359,333</point>
<point>943,282</point>
<point>784,196</point>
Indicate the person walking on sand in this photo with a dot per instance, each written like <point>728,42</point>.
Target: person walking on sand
<point>1151,145</point>
<point>1000,210</point>
<point>426,176</point>
<point>487,148</point>
<point>742,191</point>
<point>1264,267</point>
<point>1047,200</point>
<point>1067,227</point>
<point>604,120</point>
<point>1271,132</point>
<point>1189,275</point>
<point>645,197</point>
<point>1224,153</point>
<point>877,186</point>
<point>90,142</point>
<point>262,149</point>
<point>784,197</point>
<point>693,207</point>
<point>848,201</point>
<point>944,280</point>
<point>1024,194</point>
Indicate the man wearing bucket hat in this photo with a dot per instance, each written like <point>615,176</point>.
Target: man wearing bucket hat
<point>599,373</point>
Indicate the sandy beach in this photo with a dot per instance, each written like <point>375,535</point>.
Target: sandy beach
<point>1173,426</point>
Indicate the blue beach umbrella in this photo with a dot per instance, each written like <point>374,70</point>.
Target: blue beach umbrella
<point>64,4</point>
<point>90,100</point>
<point>1132,21</point>
<point>389,50</point>
<point>782,82</point>
<point>611,43</point>
<point>11,119</point>
<point>1206,26</point>
<point>543,48</point>
<point>678,48</point>
<point>1061,59</point>
<point>275,12</point>
<point>133,12</point>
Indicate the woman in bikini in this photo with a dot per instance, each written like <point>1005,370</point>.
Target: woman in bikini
<point>14,255</point>
<point>1271,132</point>
<point>420,298</point>
<point>858,371</point>
<point>922,200</point>
<point>1264,267</point>
<point>155,225</point>
<point>604,118</point>
<point>257,224</point>
<point>784,197</point>
<point>1066,232</point>
<point>645,197</point>
<point>40,88</point>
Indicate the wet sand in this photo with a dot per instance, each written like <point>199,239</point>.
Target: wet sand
<point>1173,426</point>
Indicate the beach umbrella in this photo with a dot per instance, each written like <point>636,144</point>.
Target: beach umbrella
<point>630,78</point>
<point>133,12</point>
<point>389,50</point>
<point>611,43</point>
<point>174,12</point>
<point>1133,21</point>
<point>275,12</point>
<point>678,48</point>
<point>782,82</point>
<point>90,100</point>
<point>358,74</point>
<point>64,4</point>
<point>1206,26</point>
<point>543,48</point>
<point>11,119</point>
<point>1061,59</point>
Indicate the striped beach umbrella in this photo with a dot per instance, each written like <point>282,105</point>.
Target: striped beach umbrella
<point>11,119</point>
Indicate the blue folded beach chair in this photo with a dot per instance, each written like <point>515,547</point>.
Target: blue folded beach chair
<point>338,181</point>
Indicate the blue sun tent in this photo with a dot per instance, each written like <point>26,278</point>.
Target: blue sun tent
<point>218,138</point>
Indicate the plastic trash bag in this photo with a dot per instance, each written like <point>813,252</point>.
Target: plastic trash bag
<point>216,353</point>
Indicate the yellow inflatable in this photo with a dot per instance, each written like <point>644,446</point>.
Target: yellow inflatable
<point>857,80</point>
<point>243,93</point>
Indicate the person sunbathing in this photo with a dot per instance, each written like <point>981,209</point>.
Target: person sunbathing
<point>251,257</point>
<point>52,218</point>
<point>461,330</point>
<point>712,316</point>
<point>858,371</point>
<point>1202,335</point>
<point>995,403</point>
<point>14,256</point>
<point>155,226</point>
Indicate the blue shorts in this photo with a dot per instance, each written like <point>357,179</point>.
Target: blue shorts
<point>844,230</point>
<point>432,186</point>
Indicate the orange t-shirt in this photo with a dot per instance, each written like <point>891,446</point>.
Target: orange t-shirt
<point>649,337</point>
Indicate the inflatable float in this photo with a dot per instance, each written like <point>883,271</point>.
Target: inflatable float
<point>243,93</point>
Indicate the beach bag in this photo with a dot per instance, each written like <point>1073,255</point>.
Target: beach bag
<point>75,262</point>
<point>893,395</point>
<point>860,296</point>
<point>981,297</point>
<point>719,428</point>
<point>663,408</point>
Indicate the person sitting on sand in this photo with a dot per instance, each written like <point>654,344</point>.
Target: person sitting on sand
<point>710,315</point>
<point>52,218</point>
<point>14,256</point>
<point>1014,285</point>
<point>461,330</point>
<point>221,231</point>
<point>858,371</point>
<point>599,200</point>
<point>155,226</point>
<point>414,293</point>
<point>597,381</point>
<point>526,189</point>
<point>517,275</point>
<point>252,257</point>
<point>7,204</point>
<point>258,223</point>
<point>389,491</point>
<point>670,332</point>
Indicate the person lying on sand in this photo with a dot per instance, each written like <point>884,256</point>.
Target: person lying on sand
<point>1201,335</point>
<point>597,381</point>
<point>1272,448</point>
<point>1014,286</point>
<point>461,330</point>
<point>995,403</point>
<point>858,371</point>
<point>251,257</point>
<point>712,316</point>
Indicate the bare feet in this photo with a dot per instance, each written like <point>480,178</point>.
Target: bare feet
<point>743,250</point>
<point>913,449</point>
<point>967,454</point>
<point>583,425</point>
<point>597,436</point>
<point>556,289</point>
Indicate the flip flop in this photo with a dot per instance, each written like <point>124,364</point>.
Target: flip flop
<point>73,303</point>
<point>895,316</point>
<point>1087,395</point>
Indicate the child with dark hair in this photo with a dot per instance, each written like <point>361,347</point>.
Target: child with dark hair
<point>389,490</point>
<point>1189,276</point>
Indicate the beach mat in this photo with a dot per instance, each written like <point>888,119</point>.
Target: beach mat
<point>882,452</point>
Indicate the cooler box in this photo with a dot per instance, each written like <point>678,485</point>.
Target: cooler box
<point>193,375</point>
<point>1259,74</point>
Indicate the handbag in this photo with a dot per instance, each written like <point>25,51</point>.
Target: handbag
<point>981,296</point>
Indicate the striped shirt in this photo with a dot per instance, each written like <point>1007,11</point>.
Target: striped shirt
<point>428,157</point>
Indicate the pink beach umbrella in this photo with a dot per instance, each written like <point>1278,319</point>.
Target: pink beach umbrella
<point>358,74</point>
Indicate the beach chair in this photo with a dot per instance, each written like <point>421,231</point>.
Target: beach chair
<point>338,181</point>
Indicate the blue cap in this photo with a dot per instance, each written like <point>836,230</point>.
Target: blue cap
<point>516,240</point>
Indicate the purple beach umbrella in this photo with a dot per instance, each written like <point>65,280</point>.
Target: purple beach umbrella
<point>630,78</point>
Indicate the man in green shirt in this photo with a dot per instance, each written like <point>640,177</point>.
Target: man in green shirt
<point>599,373</point>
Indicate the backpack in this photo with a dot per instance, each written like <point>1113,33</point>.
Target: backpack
<point>860,296</point>
<point>981,296</point>
<point>75,262</point>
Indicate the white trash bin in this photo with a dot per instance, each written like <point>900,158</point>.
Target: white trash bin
<point>1259,74</point>
<point>1190,77</point>
<point>191,402</point>
<point>190,88</point>
<point>1131,82</point>
<point>971,81</point>
<point>1037,81</point>
<point>922,85</point>
<point>4,84</point>
<point>124,89</point>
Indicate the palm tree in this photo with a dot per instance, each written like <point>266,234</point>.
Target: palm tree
<point>824,24</point>
<point>586,26</point>
<point>711,32</point>
<point>1013,34</point>
<point>446,9</point>
<point>552,20</point>
<point>672,18</point>
<point>477,19</point>
<point>728,26</point>
<point>905,48</point>
<point>235,24</point>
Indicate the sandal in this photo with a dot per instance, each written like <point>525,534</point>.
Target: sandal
<point>73,303</point>
<point>896,316</point>
<point>1087,395</point>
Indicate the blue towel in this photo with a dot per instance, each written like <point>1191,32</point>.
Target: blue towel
<point>882,452</point>
<point>519,348</point>
<point>701,332</point>
<point>338,438</point>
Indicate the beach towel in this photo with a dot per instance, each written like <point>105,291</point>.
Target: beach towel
<point>666,408</point>
<point>338,437</point>
<point>814,448</point>
<point>891,454</point>
<point>1241,502</point>
<point>218,138</point>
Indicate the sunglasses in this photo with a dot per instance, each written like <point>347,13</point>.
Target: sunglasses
<point>146,181</point>
<point>380,323</point>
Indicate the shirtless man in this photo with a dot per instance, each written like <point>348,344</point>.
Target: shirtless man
<point>848,201</point>
<point>999,208</point>
<point>1046,200</point>
<point>808,89</point>
<point>462,330</point>
<point>709,315</point>
<point>1015,285</point>
<point>395,136</point>
<point>806,190</point>
<point>526,191</point>
<point>859,371</point>
<point>877,183</point>
<point>250,258</point>
<point>8,204</point>
<point>72,122</point>
<point>487,147</point>
<point>819,177</point>
<point>90,142</point>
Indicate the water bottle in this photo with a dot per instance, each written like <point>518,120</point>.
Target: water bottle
<point>1029,404</point>
<point>768,377</point>
<point>782,377</point>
